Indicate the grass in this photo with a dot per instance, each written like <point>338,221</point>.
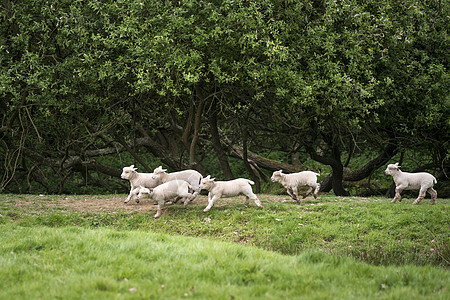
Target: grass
<point>75,263</point>
<point>333,247</point>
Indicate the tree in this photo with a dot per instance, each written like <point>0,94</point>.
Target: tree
<point>83,83</point>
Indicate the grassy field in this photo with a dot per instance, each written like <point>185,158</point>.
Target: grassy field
<point>331,248</point>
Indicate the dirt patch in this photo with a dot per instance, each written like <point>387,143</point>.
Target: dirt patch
<point>114,203</point>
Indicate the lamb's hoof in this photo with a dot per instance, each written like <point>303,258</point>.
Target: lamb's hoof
<point>416,202</point>
<point>205,210</point>
<point>433,202</point>
<point>137,201</point>
<point>393,201</point>
<point>156,216</point>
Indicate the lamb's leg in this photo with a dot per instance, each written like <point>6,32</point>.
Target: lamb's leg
<point>188,198</point>
<point>195,194</point>
<point>133,194</point>
<point>433,194</point>
<point>295,192</point>
<point>290,193</point>
<point>308,192</point>
<point>211,202</point>
<point>159,209</point>
<point>422,194</point>
<point>397,195</point>
<point>252,196</point>
<point>178,198</point>
<point>257,202</point>
<point>316,191</point>
<point>129,196</point>
<point>174,201</point>
<point>208,207</point>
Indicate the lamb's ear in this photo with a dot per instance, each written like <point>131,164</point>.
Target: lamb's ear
<point>208,177</point>
<point>398,167</point>
<point>160,169</point>
<point>212,179</point>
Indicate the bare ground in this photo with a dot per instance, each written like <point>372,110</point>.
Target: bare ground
<point>115,203</point>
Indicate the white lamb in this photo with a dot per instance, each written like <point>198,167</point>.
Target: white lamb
<point>136,180</point>
<point>412,181</point>
<point>193,177</point>
<point>292,181</point>
<point>178,189</point>
<point>218,189</point>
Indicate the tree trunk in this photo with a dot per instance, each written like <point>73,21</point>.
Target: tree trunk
<point>337,179</point>
<point>337,168</point>
<point>193,162</point>
<point>253,176</point>
<point>157,149</point>
<point>221,156</point>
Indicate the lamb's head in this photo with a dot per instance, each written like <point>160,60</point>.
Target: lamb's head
<point>276,176</point>
<point>392,169</point>
<point>128,172</point>
<point>144,192</point>
<point>207,182</point>
<point>158,172</point>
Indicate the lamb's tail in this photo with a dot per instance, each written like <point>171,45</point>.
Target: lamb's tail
<point>317,174</point>
<point>251,182</point>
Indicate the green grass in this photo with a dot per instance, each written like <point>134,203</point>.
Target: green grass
<point>330,248</point>
<point>80,263</point>
<point>369,229</point>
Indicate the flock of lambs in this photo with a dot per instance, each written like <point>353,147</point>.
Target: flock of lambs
<point>168,188</point>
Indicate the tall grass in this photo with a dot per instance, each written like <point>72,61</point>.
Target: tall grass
<point>41,262</point>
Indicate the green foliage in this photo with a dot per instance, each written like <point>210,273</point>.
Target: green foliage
<point>78,76</point>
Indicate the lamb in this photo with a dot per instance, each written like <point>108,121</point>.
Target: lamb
<point>292,181</point>
<point>193,177</point>
<point>178,189</point>
<point>412,181</point>
<point>136,180</point>
<point>230,188</point>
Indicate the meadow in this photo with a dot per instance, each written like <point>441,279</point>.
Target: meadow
<point>95,246</point>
